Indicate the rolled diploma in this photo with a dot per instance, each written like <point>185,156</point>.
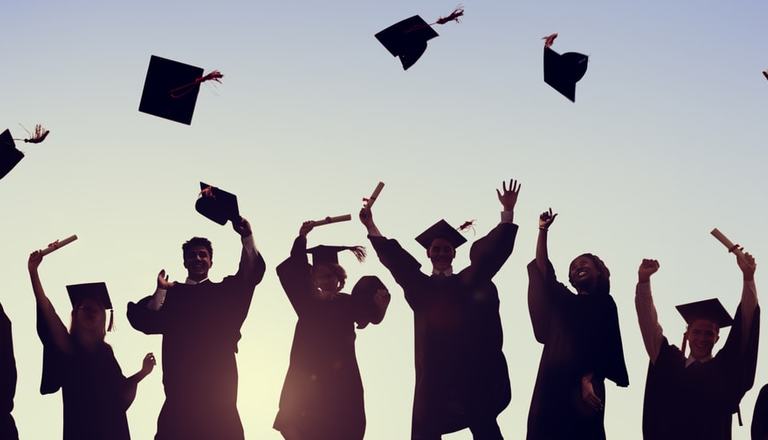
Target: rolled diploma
<point>375,194</point>
<point>329,220</point>
<point>726,242</point>
<point>58,244</point>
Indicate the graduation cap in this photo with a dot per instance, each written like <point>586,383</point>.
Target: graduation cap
<point>563,71</point>
<point>765,73</point>
<point>711,310</point>
<point>9,154</point>
<point>330,254</point>
<point>171,88</point>
<point>92,291</point>
<point>442,230</point>
<point>407,39</point>
<point>217,204</point>
<point>364,292</point>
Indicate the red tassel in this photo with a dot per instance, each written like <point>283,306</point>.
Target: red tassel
<point>468,224</point>
<point>39,136</point>
<point>454,16</point>
<point>178,92</point>
<point>549,39</point>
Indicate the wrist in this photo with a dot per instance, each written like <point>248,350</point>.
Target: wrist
<point>749,277</point>
<point>643,279</point>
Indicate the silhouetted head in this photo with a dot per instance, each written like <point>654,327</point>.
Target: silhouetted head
<point>441,253</point>
<point>198,257</point>
<point>328,277</point>
<point>441,240</point>
<point>89,320</point>
<point>588,274</point>
<point>702,335</point>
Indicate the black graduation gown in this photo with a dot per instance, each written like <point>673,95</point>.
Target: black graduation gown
<point>461,373</point>
<point>581,335</point>
<point>200,325</point>
<point>7,379</point>
<point>760,416</point>
<point>699,401</point>
<point>322,396</point>
<point>92,387</point>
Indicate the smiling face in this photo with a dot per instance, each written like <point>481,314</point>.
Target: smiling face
<point>583,274</point>
<point>441,252</point>
<point>197,261</point>
<point>90,318</point>
<point>702,336</point>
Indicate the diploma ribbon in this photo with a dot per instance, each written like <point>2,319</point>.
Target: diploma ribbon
<point>180,91</point>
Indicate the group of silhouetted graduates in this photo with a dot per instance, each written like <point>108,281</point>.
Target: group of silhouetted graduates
<point>462,377</point>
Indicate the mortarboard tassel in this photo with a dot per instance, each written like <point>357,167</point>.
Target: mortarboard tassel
<point>454,16</point>
<point>468,224</point>
<point>549,40</point>
<point>684,345</point>
<point>359,252</point>
<point>180,91</point>
<point>738,413</point>
<point>39,136</point>
<point>111,325</point>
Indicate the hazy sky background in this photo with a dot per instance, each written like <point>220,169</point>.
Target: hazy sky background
<point>667,140</point>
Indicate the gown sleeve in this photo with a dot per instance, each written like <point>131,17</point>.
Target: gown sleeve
<point>7,365</point>
<point>295,276</point>
<point>489,253</point>
<point>55,361</point>
<point>145,320</point>
<point>545,295</point>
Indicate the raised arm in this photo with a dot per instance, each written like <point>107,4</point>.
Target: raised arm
<point>131,383</point>
<point>251,262</point>
<point>53,327</point>
<point>294,272</point>
<point>748,303</point>
<point>542,256</point>
<point>403,267</point>
<point>650,329</point>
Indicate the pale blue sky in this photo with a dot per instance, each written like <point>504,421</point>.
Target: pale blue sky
<point>666,140</point>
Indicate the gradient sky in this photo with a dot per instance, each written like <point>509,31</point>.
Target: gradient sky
<point>667,140</point>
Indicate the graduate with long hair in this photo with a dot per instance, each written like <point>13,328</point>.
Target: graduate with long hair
<point>322,397</point>
<point>582,345</point>
<point>78,361</point>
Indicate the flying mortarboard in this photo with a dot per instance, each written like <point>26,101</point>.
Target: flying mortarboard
<point>171,88</point>
<point>407,39</point>
<point>10,156</point>
<point>710,310</point>
<point>91,291</point>
<point>330,254</point>
<point>563,71</point>
<point>442,230</point>
<point>765,73</point>
<point>217,204</point>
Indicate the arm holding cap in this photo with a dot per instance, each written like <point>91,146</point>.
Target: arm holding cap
<point>653,335</point>
<point>251,261</point>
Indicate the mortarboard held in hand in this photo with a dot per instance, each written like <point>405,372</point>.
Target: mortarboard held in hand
<point>364,292</point>
<point>171,88</point>
<point>217,204</point>
<point>10,156</point>
<point>563,71</point>
<point>96,292</point>
<point>407,39</point>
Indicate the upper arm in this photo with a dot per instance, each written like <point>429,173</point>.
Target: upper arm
<point>296,281</point>
<point>488,254</point>
<point>544,297</point>
<point>403,267</point>
<point>50,328</point>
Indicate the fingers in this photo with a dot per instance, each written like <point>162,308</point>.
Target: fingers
<point>498,194</point>
<point>504,186</point>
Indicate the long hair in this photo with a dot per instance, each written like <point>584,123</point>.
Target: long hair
<point>603,285</point>
<point>337,270</point>
<point>74,327</point>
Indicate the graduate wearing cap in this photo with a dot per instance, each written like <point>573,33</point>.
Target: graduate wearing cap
<point>462,380</point>
<point>694,395</point>
<point>7,379</point>
<point>94,390</point>
<point>582,345</point>
<point>200,321</point>
<point>760,416</point>
<point>322,396</point>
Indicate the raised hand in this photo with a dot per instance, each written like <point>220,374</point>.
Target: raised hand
<point>162,281</point>
<point>747,264</point>
<point>508,197</point>
<point>366,216</point>
<point>647,268</point>
<point>242,227</point>
<point>35,258</point>
<point>148,364</point>
<point>546,219</point>
<point>306,227</point>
